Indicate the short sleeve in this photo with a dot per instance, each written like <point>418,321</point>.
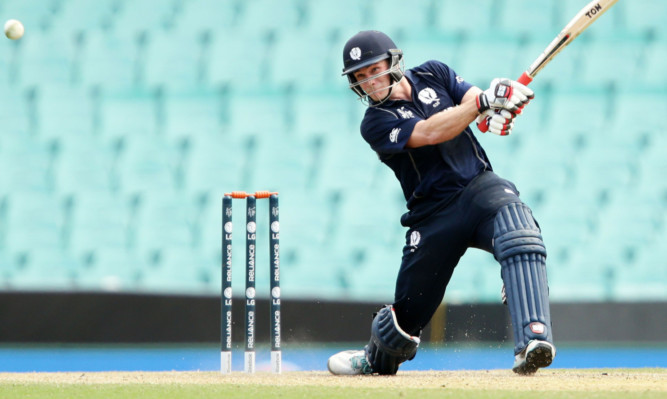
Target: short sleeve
<point>386,132</point>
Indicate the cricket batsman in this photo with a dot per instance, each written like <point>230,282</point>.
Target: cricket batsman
<point>417,121</point>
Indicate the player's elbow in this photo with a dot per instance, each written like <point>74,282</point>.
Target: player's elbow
<point>423,135</point>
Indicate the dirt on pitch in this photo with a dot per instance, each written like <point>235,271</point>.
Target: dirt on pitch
<point>549,380</point>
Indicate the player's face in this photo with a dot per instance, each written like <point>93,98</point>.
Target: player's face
<point>376,88</point>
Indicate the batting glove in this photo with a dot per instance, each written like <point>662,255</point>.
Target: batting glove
<point>498,122</point>
<point>504,94</point>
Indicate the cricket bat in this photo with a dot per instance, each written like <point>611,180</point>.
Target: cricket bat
<point>584,18</point>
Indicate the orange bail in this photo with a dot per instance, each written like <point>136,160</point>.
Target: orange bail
<point>264,194</point>
<point>237,194</point>
<point>256,194</point>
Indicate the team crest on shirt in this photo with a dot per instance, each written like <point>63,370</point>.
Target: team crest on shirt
<point>459,79</point>
<point>428,96</point>
<point>405,113</point>
<point>415,237</point>
<point>393,135</point>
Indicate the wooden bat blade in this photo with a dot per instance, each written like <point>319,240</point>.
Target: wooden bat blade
<point>578,24</point>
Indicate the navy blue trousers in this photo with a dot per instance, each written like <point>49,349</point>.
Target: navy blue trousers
<point>436,242</point>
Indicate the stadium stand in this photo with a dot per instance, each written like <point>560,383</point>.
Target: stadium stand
<point>125,121</point>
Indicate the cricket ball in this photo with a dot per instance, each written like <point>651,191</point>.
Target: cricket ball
<point>14,29</point>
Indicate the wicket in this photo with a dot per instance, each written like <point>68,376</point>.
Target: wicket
<point>226,297</point>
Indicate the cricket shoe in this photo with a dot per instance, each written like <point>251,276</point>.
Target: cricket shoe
<point>351,362</point>
<point>535,355</point>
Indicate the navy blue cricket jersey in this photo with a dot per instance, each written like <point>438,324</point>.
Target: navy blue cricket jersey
<point>429,175</point>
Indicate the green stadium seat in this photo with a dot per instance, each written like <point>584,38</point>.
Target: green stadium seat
<point>481,62</point>
<point>176,270</point>
<point>611,59</point>
<point>651,70</point>
<point>104,220</point>
<point>126,121</point>
<point>650,104</point>
<point>310,62</point>
<point>350,16</point>
<point>319,272</point>
<point>41,269</point>
<point>87,163</point>
<point>111,270</point>
<point>16,114</point>
<point>193,113</point>
<point>168,220</point>
<point>369,218</point>
<point>645,14</point>
<point>138,16</point>
<point>327,114</point>
<point>36,220</point>
<point>27,164</point>
<point>414,16</point>
<point>530,19</point>
<point>374,278</point>
<point>222,162</point>
<point>258,113</point>
<point>244,63</point>
<point>64,112</point>
<point>110,60</point>
<point>455,17</point>
<point>176,60</point>
<point>269,14</point>
<point>45,59</point>
<point>645,280</point>
<point>131,112</point>
<point>419,46</point>
<point>475,279</point>
<point>148,163</point>
<point>72,16</point>
<point>209,15</point>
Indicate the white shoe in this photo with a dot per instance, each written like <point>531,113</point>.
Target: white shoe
<point>536,354</point>
<point>352,362</point>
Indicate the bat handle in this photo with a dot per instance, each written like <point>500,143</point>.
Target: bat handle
<point>524,79</point>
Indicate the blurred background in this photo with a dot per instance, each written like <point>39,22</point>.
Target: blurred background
<point>123,122</point>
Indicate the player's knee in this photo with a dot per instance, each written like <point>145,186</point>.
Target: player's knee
<point>389,345</point>
<point>516,232</point>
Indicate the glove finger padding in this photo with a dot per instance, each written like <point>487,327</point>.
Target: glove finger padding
<point>523,89</point>
<point>498,122</point>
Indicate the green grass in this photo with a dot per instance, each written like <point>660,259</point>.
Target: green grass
<point>481,384</point>
<point>150,391</point>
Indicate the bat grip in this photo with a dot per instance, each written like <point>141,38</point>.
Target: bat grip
<point>524,79</point>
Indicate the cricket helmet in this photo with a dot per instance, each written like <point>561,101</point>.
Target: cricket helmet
<point>366,48</point>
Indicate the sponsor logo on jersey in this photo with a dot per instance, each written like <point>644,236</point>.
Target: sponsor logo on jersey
<point>393,135</point>
<point>459,79</point>
<point>428,96</point>
<point>355,53</point>
<point>405,113</point>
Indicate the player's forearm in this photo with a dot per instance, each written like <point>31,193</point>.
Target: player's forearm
<point>447,124</point>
